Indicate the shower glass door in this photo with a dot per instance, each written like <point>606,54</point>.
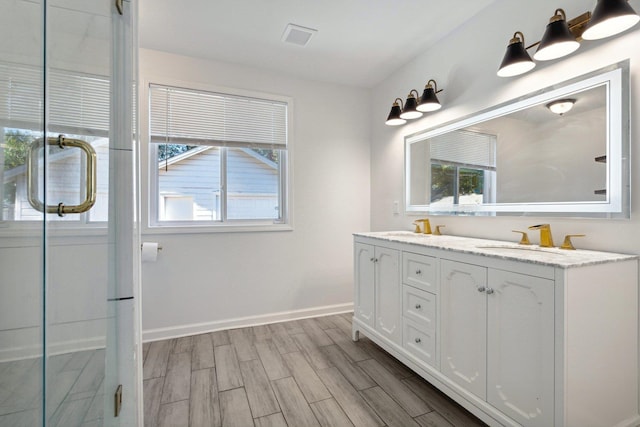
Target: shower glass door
<point>69,245</point>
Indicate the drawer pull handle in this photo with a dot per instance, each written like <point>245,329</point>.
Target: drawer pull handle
<point>418,272</point>
<point>482,289</point>
<point>418,340</point>
<point>418,306</point>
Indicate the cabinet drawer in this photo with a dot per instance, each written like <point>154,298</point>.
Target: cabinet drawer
<point>419,342</point>
<point>419,271</point>
<point>419,306</point>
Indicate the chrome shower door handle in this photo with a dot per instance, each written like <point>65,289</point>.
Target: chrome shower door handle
<point>32,176</point>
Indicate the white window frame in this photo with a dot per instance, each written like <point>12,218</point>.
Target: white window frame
<point>477,150</point>
<point>489,187</point>
<point>285,181</point>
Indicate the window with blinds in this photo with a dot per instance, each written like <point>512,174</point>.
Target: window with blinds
<point>217,158</point>
<point>463,168</point>
<point>78,107</point>
<point>77,103</point>
<point>464,148</point>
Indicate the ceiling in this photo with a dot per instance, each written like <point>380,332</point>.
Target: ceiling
<point>359,42</point>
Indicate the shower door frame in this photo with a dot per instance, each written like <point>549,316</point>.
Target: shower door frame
<point>122,363</point>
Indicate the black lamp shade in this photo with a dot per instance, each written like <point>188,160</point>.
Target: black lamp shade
<point>394,116</point>
<point>429,100</point>
<point>409,112</point>
<point>557,41</point>
<point>516,60</point>
<point>610,17</point>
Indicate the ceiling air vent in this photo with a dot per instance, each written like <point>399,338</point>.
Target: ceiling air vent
<point>298,35</point>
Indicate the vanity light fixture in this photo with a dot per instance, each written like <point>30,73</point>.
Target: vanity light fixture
<point>557,40</point>
<point>610,17</point>
<point>409,111</point>
<point>394,115</point>
<point>560,39</point>
<point>516,59</point>
<point>429,100</point>
<point>561,106</point>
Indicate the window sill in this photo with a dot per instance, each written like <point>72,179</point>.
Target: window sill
<point>226,228</point>
<point>18,235</point>
<point>34,229</point>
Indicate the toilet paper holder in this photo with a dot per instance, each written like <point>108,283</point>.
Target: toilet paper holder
<point>159,247</point>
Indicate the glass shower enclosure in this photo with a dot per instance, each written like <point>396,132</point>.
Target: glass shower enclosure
<point>69,238</point>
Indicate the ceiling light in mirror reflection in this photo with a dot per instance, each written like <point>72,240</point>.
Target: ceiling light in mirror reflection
<point>561,106</point>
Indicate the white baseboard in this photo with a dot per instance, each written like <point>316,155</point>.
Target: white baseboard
<point>242,322</point>
<point>30,352</point>
<point>631,422</point>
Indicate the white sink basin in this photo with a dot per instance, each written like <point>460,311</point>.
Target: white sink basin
<point>403,234</point>
<point>511,248</point>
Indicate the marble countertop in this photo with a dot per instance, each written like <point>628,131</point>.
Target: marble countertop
<point>534,254</point>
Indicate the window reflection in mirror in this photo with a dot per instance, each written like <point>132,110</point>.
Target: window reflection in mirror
<point>455,168</point>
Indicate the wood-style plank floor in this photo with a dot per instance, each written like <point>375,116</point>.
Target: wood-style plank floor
<point>75,394</point>
<point>296,374</point>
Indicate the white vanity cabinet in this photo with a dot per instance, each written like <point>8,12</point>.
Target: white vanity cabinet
<point>519,337</point>
<point>497,338</point>
<point>463,325</point>
<point>364,280</point>
<point>378,300</point>
<point>520,346</point>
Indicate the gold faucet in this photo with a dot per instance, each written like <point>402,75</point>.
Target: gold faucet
<point>546,241</point>
<point>426,226</point>
<point>524,240</point>
<point>567,244</point>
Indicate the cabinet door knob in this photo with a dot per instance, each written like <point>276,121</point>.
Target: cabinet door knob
<point>482,289</point>
<point>418,340</point>
<point>418,306</point>
<point>418,272</point>
<point>372,259</point>
<point>490,291</point>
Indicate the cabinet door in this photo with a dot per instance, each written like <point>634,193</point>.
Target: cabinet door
<point>388,296</point>
<point>520,347</point>
<point>364,283</point>
<point>463,338</point>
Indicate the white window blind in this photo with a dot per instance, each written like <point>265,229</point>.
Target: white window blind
<point>76,101</point>
<point>464,147</point>
<point>183,116</point>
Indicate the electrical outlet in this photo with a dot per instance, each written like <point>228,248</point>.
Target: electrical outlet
<point>396,207</point>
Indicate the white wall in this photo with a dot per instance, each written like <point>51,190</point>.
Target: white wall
<point>551,162</point>
<point>208,281</point>
<point>464,64</point>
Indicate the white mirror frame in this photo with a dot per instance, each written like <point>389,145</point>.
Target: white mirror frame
<point>616,78</point>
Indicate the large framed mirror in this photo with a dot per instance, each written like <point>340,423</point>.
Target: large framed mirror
<point>561,151</point>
